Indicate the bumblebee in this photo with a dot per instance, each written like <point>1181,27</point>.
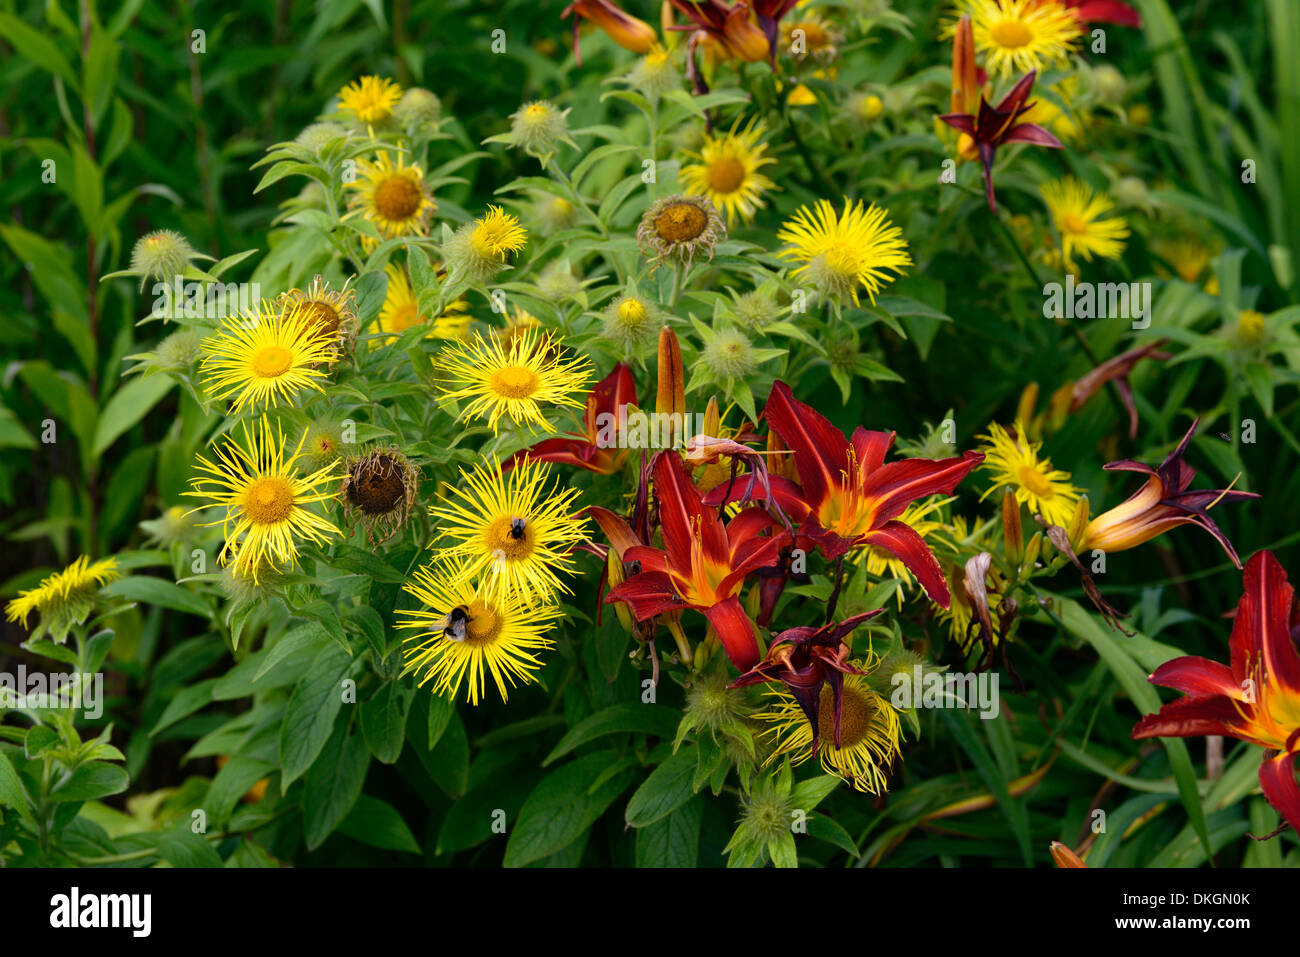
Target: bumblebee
<point>518,527</point>
<point>454,630</point>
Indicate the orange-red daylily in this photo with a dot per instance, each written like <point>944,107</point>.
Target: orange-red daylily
<point>624,29</point>
<point>1257,698</point>
<point>805,658</point>
<point>1104,11</point>
<point>593,449</point>
<point>1162,503</point>
<point>729,28</point>
<point>704,562</point>
<point>848,496</point>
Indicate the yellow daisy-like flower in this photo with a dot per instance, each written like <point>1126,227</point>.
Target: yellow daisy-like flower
<point>479,248</point>
<point>268,356</point>
<point>841,252</point>
<point>1077,212</point>
<point>1014,462</point>
<point>517,326</point>
<point>1017,36</point>
<point>333,310</point>
<point>466,632</point>
<point>511,529</point>
<point>513,380</point>
<point>370,99</point>
<point>869,732</point>
<point>401,311</point>
<point>265,499</point>
<point>393,196</point>
<point>64,598</point>
<point>728,171</point>
<point>885,564</point>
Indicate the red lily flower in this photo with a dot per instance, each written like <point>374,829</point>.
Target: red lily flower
<point>999,125</point>
<point>1257,698</point>
<point>703,564</point>
<point>730,27</point>
<point>804,659</point>
<point>1104,11</point>
<point>1162,503</point>
<point>769,14</point>
<point>847,496</point>
<point>590,450</point>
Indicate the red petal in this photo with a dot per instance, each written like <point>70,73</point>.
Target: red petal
<point>735,631</point>
<point>647,594</point>
<point>903,541</point>
<point>870,449</point>
<point>1277,778</point>
<point>679,508</point>
<point>1194,675</point>
<point>899,484</point>
<point>820,449</point>
<point>1106,11</point>
<point>1190,718</point>
<point>1032,134</point>
<point>616,529</point>
<point>1261,630</point>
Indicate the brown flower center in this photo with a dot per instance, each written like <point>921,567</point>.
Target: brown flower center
<point>397,198</point>
<point>268,500</point>
<point>856,713</point>
<point>681,222</point>
<point>322,315</point>
<point>726,174</point>
<point>377,485</point>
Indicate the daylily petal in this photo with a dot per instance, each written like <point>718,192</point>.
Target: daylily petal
<point>903,542</point>
<point>1190,718</point>
<point>647,594</point>
<point>820,449</point>
<point>735,631</point>
<point>1277,778</point>
<point>899,484</point>
<point>1194,675</point>
<point>1261,629</point>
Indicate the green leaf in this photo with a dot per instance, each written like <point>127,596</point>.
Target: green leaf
<point>666,789</point>
<point>383,720</point>
<point>157,591</point>
<point>652,719</point>
<point>309,716</point>
<point>959,726</point>
<point>184,848</point>
<point>129,405</point>
<point>92,781</point>
<point>378,824</point>
<point>12,792</point>
<point>184,704</point>
<point>333,785</point>
<point>673,840</point>
<point>231,783</point>
<point>37,48</point>
<point>562,807</point>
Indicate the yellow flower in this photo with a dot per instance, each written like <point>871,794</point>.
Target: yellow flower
<point>869,732</point>
<point>1077,212</point>
<point>393,197</point>
<point>514,380</point>
<point>63,599</point>
<point>1014,462</point>
<point>268,356</point>
<point>728,172</point>
<point>1065,123</point>
<point>511,529</point>
<point>840,252</point>
<point>1017,36</point>
<point>401,310</point>
<point>478,249</point>
<point>370,99</point>
<point>265,499</point>
<point>465,632</point>
<point>333,311</point>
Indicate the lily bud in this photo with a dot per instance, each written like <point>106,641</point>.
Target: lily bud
<point>743,37</point>
<point>1033,550</point>
<point>712,417</point>
<point>614,567</point>
<point>629,32</point>
<point>671,397</point>
<point>1078,523</point>
<point>1012,534</point>
<point>1065,857</point>
<point>965,82</point>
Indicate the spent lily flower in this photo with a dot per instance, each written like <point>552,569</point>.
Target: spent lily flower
<point>847,496</point>
<point>804,659</point>
<point>704,562</point>
<point>769,14</point>
<point>596,447</point>
<point>1162,503</point>
<point>730,27</point>
<point>1256,698</point>
<point>1116,370</point>
<point>995,126</point>
<point>629,32</point>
